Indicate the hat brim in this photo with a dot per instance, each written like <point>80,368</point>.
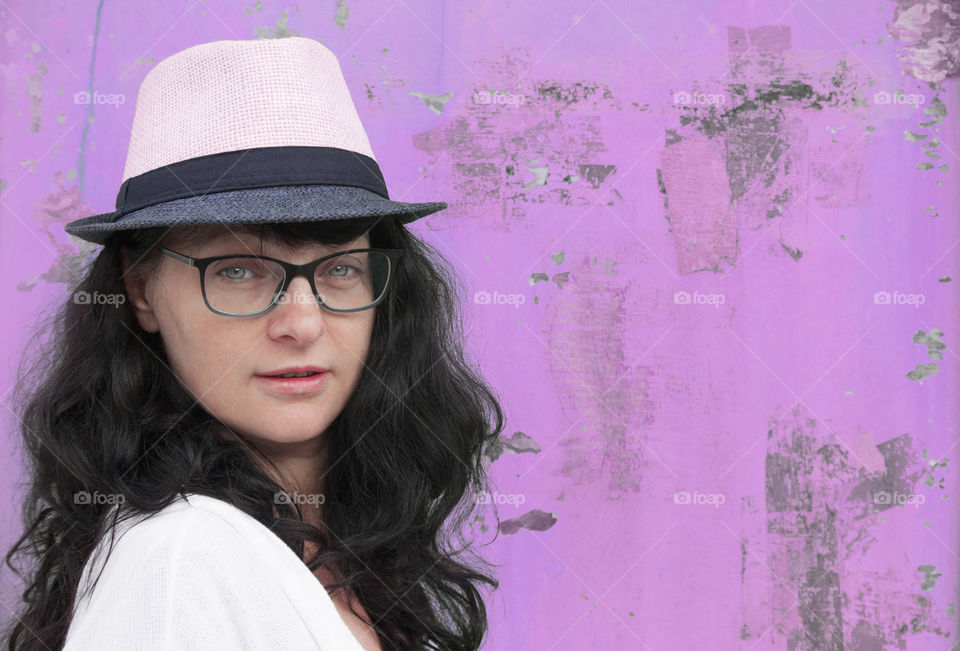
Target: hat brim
<point>279,204</point>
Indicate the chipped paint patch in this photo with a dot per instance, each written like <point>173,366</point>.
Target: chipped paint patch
<point>518,443</point>
<point>930,576</point>
<point>698,191</point>
<point>50,212</point>
<point>343,12</point>
<point>771,99</point>
<point>280,30</point>
<point>803,583</point>
<point>931,31</point>
<point>34,91</point>
<point>934,346</point>
<point>535,520</point>
<point>434,102</point>
<point>484,151</point>
<point>585,328</point>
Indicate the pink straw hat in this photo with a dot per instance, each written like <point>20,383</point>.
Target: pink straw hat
<point>243,132</point>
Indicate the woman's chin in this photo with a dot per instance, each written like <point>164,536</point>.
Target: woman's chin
<point>279,436</point>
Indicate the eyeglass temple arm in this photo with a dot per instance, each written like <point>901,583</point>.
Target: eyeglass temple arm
<point>182,258</point>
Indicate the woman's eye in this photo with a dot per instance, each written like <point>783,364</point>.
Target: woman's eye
<point>235,272</point>
<point>342,270</point>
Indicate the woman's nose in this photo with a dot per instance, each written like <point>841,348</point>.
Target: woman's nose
<point>297,313</point>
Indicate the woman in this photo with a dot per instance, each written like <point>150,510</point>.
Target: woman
<point>184,494</point>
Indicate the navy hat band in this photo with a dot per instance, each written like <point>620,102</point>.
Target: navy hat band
<point>258,167</point>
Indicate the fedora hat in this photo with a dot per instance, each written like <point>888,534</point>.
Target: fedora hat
<point>247,132</point>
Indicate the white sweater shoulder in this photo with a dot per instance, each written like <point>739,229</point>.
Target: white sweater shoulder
<point>202,574</point>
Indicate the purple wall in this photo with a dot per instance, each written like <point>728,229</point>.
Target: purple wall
<point>710,253</point>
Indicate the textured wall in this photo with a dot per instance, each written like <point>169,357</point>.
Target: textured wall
<point>710,252</point>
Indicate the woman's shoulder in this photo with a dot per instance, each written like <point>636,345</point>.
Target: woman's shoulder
<point>198,566</point>
<point>202,518</point>
<point>187,527</point>
<point>193,535</point>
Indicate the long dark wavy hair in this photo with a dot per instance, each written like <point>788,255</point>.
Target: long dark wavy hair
<point>107,415</point>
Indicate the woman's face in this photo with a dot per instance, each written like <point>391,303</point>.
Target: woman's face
<point>221,360</point>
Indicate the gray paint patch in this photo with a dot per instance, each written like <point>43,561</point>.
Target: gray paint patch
<point>923,371</point>
<point>517,443</point>
<point>931,341</point>
<point>343,12</point>
<point>434,102</point>
<point>279,30</point>
<point>934,346</point>
<point>34,90</point>
<point>820,513</point>
<point>535,520</point>
<point>930,576</point>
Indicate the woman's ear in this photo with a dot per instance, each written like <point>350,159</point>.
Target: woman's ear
<point>135,284</point>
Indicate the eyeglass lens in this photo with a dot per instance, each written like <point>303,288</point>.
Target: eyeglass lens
<point>243,286</point>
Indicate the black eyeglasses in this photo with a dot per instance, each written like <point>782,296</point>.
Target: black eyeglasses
<point>251,285</point>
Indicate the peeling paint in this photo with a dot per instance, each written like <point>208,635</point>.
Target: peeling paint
<point>930,576</point>
<point>931,341</point>
<point>698,190</point>
<point>34,91</point>
<point>480,150</point>
<point>279,30</point>
<point>434,102</point>
<point>801,581</point>
<point>762,126</point>
<point>931,31</point>
<point>934,346</point>
<point>535,520</point>
<point>343,12</point>
<point>586,332</point>
<point>50,212</point>
<point>923,371</point>
<point>518,443</point>
<point>540,175</point>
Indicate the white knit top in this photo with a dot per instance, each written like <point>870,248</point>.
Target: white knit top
<point>202,574</point>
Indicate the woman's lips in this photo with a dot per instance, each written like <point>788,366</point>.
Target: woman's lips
<point>295,385</point>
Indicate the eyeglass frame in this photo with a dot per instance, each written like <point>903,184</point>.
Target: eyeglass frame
<point>290,271</point>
